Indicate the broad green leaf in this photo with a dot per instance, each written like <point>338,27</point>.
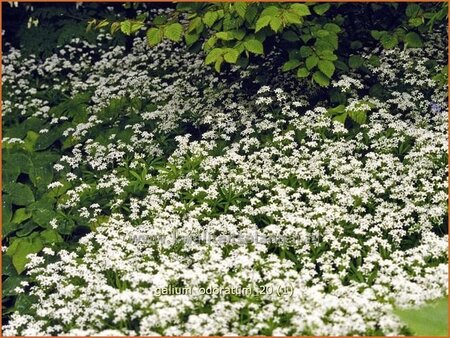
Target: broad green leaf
<point>301,9</point>
<point>340,117</point>
<point>21,194</point>
<point>24,246</point>
<point>43,217</point>
<point>305,51</point>
<point>160,20</point>
<point>293,18</point>
<point>9,285</point>
<point>326,67</point>
<point>275,24</point>
<point>413,40</point>
<point>412,10</point>
<point>291,64</point>
<point>154,36</point>
<point>321,8</point>
<point>51,236</point>
<point>321,79</point>
<point>311,62</point>
<point>262,22</point>
<point>218,64</point>
<point>129,27</point>
<point>302,72</point>
<point>213,55</point>
<point>174,32</point>
<point>20,215</point>
<point>226,36</point>
<point>241,8</point>
<point>231,55</point>
<point>332,27</point>
<point>389,41</point>
<point>192,38</point>
<point>254,46</point>
<point>359,117</point>
<point>210,18</point>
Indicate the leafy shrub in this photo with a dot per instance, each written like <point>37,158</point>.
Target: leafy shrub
<point>317,40</point>
<point>145,143</point>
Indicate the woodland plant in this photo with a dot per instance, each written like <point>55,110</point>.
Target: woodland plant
<point>130,171</point>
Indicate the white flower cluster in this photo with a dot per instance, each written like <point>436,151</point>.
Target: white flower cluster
<point>191,152</point>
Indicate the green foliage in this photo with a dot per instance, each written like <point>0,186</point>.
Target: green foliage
<point>239,33</point>
<point>428,320</point>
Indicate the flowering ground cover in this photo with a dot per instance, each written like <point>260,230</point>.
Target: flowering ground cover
<point>146,194</point>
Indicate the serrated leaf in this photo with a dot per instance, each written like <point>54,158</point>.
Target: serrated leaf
<point>213,55</point>
<point>262,22</point>
<point>359,117</point>
<point>154,36</point>
<point>326,67</point>
<point>174,32</point>
<point>210,18</point>
<point>301,9</point>
<point>231,55</point>
<point>129,27</point>
<point>275,24</point>
<point>191,39</point>
<point>291,64</point>
<point>321,79</point>
<point>305,51</point>
<point>241,8</point>
<point>226,36</point>
<point>254,46</point>
<point>311,62</point>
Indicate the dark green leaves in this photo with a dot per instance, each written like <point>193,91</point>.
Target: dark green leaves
<point>20,193</point>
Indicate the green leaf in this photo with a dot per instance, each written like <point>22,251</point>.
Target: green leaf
<point>293,18</point>
<point>231,55</point>
<point>275,24</point>
<point>213,55</point>
<point>21,248</point>
<point>43,217</point>
<point>160,20</point>
<point>241,8</point>
<point>129,27</point>
<point>20,193</point>
<point>290,36</point>
<point>218,64</point>
<point>51,236</point>
<point>326,67</point>
<point>311,62</point>
<point>332,27</point>
<point>305,51</point>
<point>226,36</point>
<point>389,41</point>
<point>359,117</point>
<point>191,39</point>
<point>321,8</point>
<point>174,32</point>
<point>47,139</point>
<point>321,79</point>
<point>301,9</point>
<point>262,22</point>
<point>302,72</point>
<point>429,320</point>
<point>154,36</point>
<point>412,10</point>
<point>291,64</point>
<point>413,40</point>
<point>210,18</point>
<point>254,46</point>
<point>24,303</point>
<point>340,117</point>
<point>376,34</point>
<point>355,61</point>
<point>20,215</point>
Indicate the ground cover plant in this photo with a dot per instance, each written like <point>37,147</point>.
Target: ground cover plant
<point>279,201</point>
